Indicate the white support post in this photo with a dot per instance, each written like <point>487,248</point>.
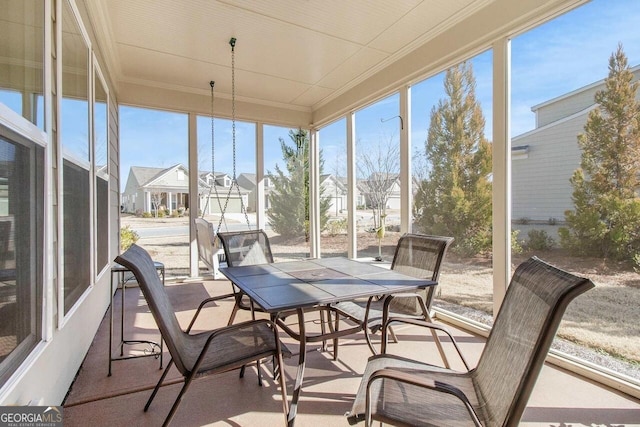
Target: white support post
<point>352,248</point>
<point>194,271</point>
<point>314,193</point>
<point>501,171</point>
<point>260,193</point>
<point>406,181</point>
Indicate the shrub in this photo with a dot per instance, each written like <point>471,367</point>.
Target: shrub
<point>147,215</point>
<point>516,247</point>
<point>128,237</point>
<point>539,240</point>
<point>161,213</point>
<point>337,226</point>
<point>175,214</point>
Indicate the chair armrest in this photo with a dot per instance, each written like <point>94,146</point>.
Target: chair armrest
<point>428,325</point>
<point>201,306</point>
<point>417,381</point>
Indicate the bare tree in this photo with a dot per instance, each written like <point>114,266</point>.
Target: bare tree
<point>156,200</point>
<point>378,165</point>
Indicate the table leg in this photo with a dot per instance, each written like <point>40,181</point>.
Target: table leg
<point>300,375</point>
<point>110,321</point>
<point>122,287</point>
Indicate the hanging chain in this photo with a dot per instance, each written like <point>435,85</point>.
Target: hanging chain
<point>243,208</point>
<point>213,151</point>
<point>234,180</point>
<point>205,208</point>
<point>213,186</point>
<point>233,102</point>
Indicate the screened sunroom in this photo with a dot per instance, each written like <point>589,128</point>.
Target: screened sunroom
<point>143,116</point>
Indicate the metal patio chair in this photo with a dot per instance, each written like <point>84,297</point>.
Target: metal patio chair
<point>249,247</point>
<point>211,352</point>
<point>400,391</point>
<point>416,255</point>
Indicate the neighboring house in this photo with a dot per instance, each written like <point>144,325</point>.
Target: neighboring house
<point>147,187</point>
<point>248,182</point>
<point>215,192</point>
<point>334,188</point>
<point>544,159</point>
<point>377,185</point>
<point>168,188</point>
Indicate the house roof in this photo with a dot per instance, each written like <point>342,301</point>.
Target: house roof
<point>145,175</point>
<point>249,177</point>
<point>635,70</point>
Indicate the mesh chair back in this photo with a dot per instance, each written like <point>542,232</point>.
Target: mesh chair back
<point>421,256</point>
<point>249,247</point>
<point>141,265</point>
<point>205,236</point>
<point>521,337</point>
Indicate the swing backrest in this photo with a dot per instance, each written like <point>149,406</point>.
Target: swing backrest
<point>207,242</point>
<point>249,247</point>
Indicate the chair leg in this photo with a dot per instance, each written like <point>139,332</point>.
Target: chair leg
<point>276,369</point>
<point>283,386</point>
<point>157,387</point>
<point>174,408</point>
<point>393,335</point>
<point>233,314</point>
<point>436,339</point>
<point>323,330</point>
<point>336,328</point>
<point>367,337</point>
<point>242,369</point>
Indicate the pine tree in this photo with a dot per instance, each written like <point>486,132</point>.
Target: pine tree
<point>455,198</point>
<point>289,199</point>
<point>606,218</point>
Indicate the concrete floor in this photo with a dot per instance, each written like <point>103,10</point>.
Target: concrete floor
<point>559,398</point>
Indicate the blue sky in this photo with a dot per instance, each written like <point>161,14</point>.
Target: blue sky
<point>548,61</point>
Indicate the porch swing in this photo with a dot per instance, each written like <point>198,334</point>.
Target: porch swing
<point>210,250</point>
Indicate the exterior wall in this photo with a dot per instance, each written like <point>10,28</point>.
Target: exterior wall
<point>45,376</point>
<point>252,201</point>
<point>540,183</point>
<point>541,191</point>
<point>170,182</point>
<point>571,103</point>
<point>566,106</point>
<point>338,197</point>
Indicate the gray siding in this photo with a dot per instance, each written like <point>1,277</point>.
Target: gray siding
<point>565,107</point>
<point>571,103</point>
<point>540,183</point>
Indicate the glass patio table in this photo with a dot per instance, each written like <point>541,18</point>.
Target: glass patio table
<point>305,285</point>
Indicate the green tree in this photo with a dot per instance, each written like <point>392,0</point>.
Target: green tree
<point>289,199</point>
<point>455,197</point>
<point>606,218</point>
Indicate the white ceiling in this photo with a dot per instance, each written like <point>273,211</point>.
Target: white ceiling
<point>293,52</point>
<point>298,55</point>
